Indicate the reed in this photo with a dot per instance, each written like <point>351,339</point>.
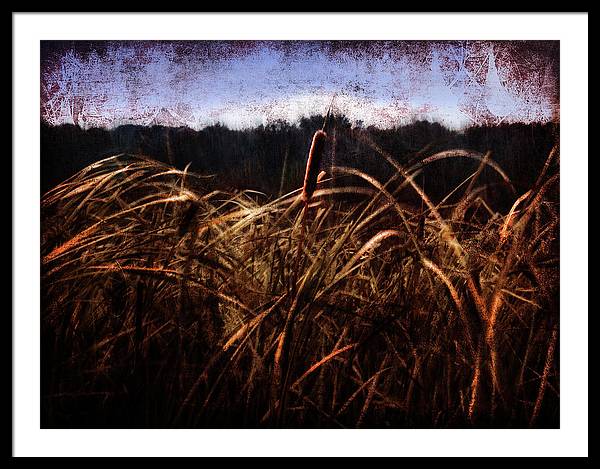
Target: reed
<point>315,156</point>
<point>368,312</point>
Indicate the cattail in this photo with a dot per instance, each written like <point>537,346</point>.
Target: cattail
<point>312,166</point>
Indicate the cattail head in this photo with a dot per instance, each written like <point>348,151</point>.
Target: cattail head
<point>315,156</point>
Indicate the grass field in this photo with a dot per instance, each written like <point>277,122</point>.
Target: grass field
<point>167,302</point>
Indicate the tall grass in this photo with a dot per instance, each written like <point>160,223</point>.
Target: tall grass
<point>170,303</point>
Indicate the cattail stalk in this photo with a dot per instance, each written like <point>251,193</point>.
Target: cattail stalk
<point>315,156</point>
<point>311,178</point>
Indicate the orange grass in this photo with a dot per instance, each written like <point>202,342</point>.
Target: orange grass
<point>183,305</point>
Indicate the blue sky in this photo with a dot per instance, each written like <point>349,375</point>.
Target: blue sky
<point>244,84</point>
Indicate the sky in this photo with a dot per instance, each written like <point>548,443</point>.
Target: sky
<point>242,84</point>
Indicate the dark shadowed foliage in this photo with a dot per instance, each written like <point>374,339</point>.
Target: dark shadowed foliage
<point>416,287</point>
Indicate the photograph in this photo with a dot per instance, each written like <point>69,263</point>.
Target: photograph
<point>299,234</point>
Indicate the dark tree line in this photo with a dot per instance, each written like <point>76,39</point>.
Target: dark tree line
<point>271,158</point>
